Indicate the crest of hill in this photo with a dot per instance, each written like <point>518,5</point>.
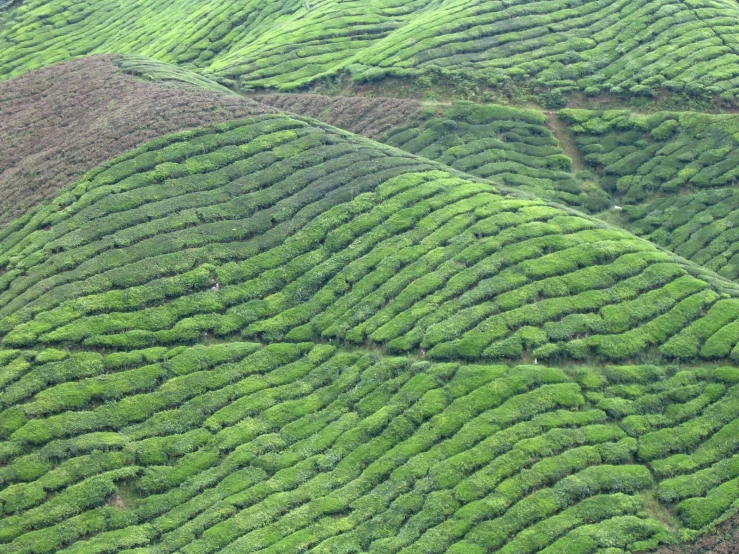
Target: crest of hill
<point>513,146</point>
<point>278,228</point>
<point>638,48</point>
<point>60,122</point>
<point>371,117</point>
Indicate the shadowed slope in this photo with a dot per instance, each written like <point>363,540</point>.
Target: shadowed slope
<point>674,173</point>
<point>702,227</point>
<point>640,156</point>
<point>513,146</point>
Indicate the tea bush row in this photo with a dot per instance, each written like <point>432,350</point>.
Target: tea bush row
<point>641,155</point>
<point>278,228</point>
<point>297,446</point>
<point>700,227</point>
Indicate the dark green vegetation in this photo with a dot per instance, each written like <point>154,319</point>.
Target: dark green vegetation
<point>640,156</point>
<point>700,226</point>
<point>511,146</point>
<point>674,173</point>
<point>637,48</point>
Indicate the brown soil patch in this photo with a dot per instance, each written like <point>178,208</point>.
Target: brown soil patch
<point>371,117</point>
<point>117,502</point>
<point>60,122</point>
<point>725,540</point>
<point>562,133</point>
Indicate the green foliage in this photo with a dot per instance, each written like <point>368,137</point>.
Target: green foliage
<point>699,227</point>
<point>557,47</point>
<point>276,228</point>
<point>157,393</point>
<point>667,152</point>
<point>275,445</point>
<point>509,145</point>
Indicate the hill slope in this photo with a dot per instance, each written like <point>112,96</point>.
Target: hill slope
<point>701,227</point>
<point>640,48</point>
<point>305,231</point>
<point>301,447</point>
<point>264,333</point>
<point>60,122</point>
<point>512,146</point>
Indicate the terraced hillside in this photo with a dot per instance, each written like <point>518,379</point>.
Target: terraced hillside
<point>698,226</point>
<point>640,156</point>
<point>512,146</point>
<point>135,419</point>
<point>60,122</point>
<point>275,228</point>
<point>231,323</point>
<point>675,173</point>
<point>300,447</point>
<point>640,48</point>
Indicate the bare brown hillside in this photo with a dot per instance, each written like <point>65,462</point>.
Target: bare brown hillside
<point>371,117</point>
<point>59,122</point>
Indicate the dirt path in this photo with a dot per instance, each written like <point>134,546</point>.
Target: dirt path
<point>566,140</point>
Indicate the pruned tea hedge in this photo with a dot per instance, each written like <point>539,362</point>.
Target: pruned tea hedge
<point>239,447</point>
<point>639,48</point>
<point>277,229</point>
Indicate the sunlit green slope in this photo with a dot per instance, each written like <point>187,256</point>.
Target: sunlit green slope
<point>266,336</point>
<point>639,48</point>
<point>239,447</point>
<point>274,228</point>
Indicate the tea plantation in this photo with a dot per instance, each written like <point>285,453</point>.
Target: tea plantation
<point>136,418</point>
<point>274,228</point>
<point>369,276</point>
<point>638,48</point>
<point>698,226</point>
<point>512,146</point>
<point>238,447</point>
<point>642,155</point>
<point>674,172</point>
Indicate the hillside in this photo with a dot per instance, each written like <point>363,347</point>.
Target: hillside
<point>270,229</point>
<point>591,46</point>
<point>60,122</point>
<point>364,242</point>
<point>379,276</point>
<point>512,146</point>
<point>241,448</point>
